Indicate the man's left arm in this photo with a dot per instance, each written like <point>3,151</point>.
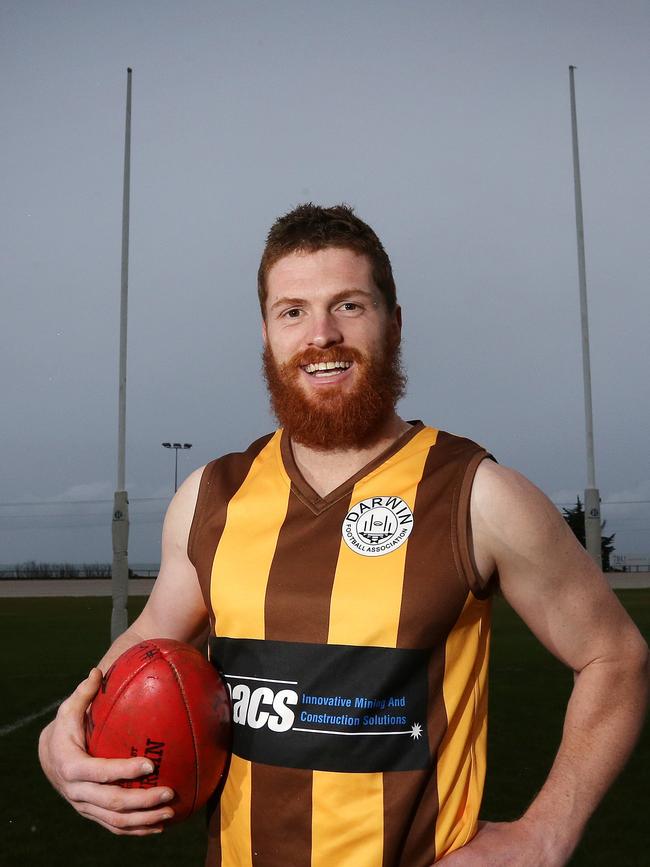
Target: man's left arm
<point>557,589</point>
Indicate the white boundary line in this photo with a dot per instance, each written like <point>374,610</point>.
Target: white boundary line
<point>263,679</point>
<point>352,734</point>
<point>26,720</point>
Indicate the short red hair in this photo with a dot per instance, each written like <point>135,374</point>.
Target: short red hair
<point>309,228</point>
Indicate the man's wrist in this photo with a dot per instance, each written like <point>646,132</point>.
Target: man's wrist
<point>552,838</point>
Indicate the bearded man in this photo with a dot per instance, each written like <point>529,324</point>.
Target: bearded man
<point>342,569</point>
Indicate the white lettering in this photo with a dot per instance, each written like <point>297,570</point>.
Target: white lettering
<point>254,708</point>
<point>285,717</point>
<point>240,696</point>
<point>255,717</point>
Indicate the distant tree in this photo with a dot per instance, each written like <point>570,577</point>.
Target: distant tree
<point>32,569</point>
<point>575,518</point>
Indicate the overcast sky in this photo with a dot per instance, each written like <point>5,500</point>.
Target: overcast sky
<point>447,126</point>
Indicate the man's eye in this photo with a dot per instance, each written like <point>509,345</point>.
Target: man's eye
<point>293,313</point>
<point>350,307</point>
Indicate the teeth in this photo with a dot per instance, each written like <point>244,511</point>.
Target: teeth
<point>328,365</point>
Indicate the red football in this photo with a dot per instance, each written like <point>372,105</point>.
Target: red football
<point>162,699</point>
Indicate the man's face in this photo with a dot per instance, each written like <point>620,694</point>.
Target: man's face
<point>331,348</point>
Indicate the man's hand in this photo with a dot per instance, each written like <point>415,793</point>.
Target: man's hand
<point>504,844</point>
<point>89,783</point>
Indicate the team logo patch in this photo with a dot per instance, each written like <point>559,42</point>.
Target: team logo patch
<point>377,526</point>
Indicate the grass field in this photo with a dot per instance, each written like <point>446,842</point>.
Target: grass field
<point>48,645</point>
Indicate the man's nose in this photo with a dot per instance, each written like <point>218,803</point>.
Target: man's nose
<point>324,331</point>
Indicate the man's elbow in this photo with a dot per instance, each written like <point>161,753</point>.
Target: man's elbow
<point>635,661</point>
<point>643,660</point>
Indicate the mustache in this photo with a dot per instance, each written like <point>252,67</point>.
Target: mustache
<point>314,355</point>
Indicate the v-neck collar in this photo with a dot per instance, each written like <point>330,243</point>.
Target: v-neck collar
<point>310,497</point>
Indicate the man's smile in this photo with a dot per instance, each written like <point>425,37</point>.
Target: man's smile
<point>327,369</point>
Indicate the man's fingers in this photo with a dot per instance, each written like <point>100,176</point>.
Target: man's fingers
<point>88,782</point>
<point>88,769</point>
<point>132,832</point>
<point>117,799</point>
<point>134,824</point>
<point>126,821</point>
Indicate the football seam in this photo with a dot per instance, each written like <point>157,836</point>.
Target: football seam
<point>125,683</point>
<point>189,719</point>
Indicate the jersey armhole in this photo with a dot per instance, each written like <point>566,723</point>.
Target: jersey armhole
<point>199,511</point>
<point>462,530</point>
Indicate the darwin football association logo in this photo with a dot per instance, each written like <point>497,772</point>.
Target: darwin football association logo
<point>377,525</point>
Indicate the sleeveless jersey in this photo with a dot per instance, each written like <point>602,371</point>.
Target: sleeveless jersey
<point>352,631</point>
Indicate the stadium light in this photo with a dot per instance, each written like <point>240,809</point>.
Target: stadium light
<point>176,447</point>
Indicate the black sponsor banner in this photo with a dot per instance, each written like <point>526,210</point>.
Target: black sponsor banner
<point>326,707</point>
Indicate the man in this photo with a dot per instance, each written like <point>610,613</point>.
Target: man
<point>342,569</point>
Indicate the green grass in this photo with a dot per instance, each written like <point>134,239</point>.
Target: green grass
<point>529,689</point>
<point>48,645</point>
<point>52,644</point>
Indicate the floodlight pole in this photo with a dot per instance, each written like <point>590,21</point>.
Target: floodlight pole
<point>120,527</point>
<point>592,496</point>
<point>176,447</point>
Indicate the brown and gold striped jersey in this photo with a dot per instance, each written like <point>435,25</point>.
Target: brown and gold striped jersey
<point>352,631</point>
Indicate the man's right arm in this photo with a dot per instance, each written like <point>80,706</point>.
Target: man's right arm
<point>175,609</point>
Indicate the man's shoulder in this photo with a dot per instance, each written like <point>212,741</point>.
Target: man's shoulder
<point>455,443</point>
<point>509,512</point>
<point>236,464</point>
<point>247,454</point>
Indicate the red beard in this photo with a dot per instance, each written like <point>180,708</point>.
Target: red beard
<point>333,419</point>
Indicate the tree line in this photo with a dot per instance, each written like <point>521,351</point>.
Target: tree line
<point>32,570</point>
<point>575,518</point>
